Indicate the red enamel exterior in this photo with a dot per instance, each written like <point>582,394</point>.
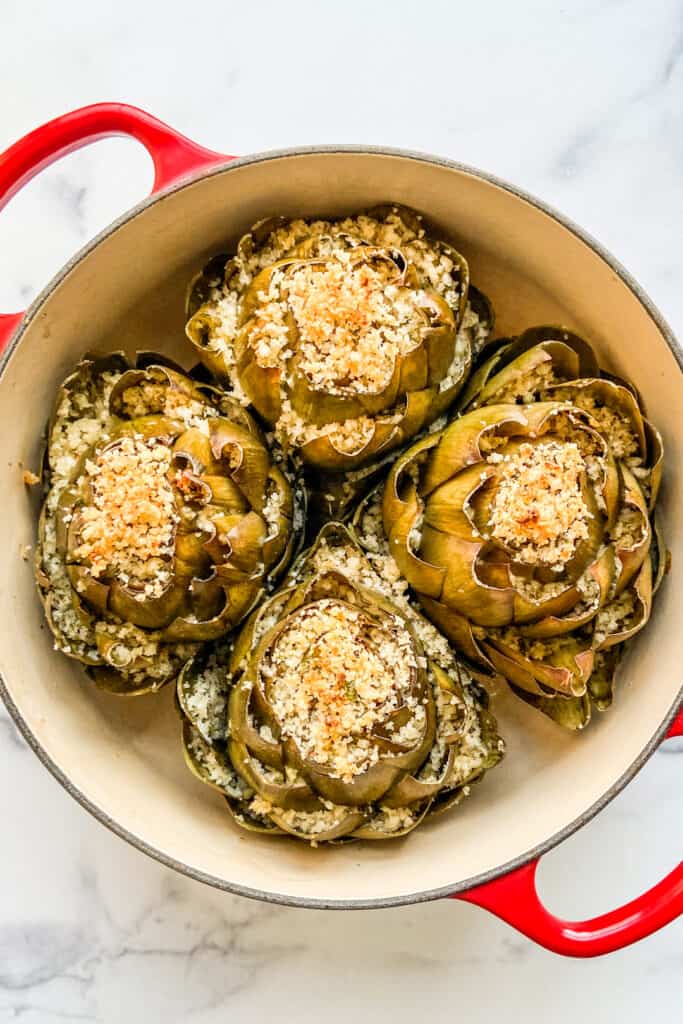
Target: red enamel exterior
<point>173,155</point>
<point>514,897</point>
<point>8,325</point>
<point>677,727</point>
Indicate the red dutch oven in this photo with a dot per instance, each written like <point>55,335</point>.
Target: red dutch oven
<point>122,761</point>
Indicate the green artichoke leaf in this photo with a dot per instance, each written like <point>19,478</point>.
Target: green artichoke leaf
<point>150,388</point>
<point>572,713</point>
<point>594,393</point>
<point>378,825</point>
<point>268,751</point>
<point>661,557</point>
<point>601,682</point>
<point>622,618</point>
<point>584,608</point>
<point>240,598</point>
<point>458,446</point>
<point>402,510</point>
<point>458,629</point>
<point>322,452</point>
<point>345,821</point>
<point>111,681</point>
<point>243,818</point>
<point>337,496</point>
<point>563,664</point>
<point>149,613</point>
<point>655,461</point>
<point>201,328</point>
<point>289,796</point>
<point>588,364</point>
<point>204,283</point>
<point>528,364</point>
<point>632,545</point>
<point>210,765</point>
<point>478,380</point>
<point>247,459</point>
<point>365,789</point>
<point>205,706</point>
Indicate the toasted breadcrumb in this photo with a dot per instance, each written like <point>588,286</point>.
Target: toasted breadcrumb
<point>538,509</point>
<point>333,676</point>
<point>130,525</point>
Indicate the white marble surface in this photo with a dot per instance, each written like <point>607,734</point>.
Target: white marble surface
<point>581,103</point>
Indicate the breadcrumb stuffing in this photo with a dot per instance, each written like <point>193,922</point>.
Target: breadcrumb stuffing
<point>615,427</point>
<point>524,386</point>
<point>129,529</point>
<point>615,617</point>
<point>333,676</point>
<point>353,324</point>
<point>538,509</point>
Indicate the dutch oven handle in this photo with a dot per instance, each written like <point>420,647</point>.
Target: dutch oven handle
<point>173,155</point>
<point>514,898</point>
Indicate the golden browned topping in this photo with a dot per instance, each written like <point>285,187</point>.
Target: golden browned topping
<point>352,323</point>
<point>30,479</point>
<point>333,676</point>
<point>129,527</point>
<point>538,509</point>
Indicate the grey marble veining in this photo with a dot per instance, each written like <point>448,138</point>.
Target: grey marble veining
<point>581,103</point>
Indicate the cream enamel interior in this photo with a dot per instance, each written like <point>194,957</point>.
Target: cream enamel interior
<point>124,756</point>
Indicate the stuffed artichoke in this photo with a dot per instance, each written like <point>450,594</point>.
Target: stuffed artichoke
<point>347,336</point>
<point>338,712</point>
<point>164,516</point>
<point>526,527</point>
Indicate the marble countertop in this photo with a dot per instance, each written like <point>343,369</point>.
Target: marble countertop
<point>581,104</point>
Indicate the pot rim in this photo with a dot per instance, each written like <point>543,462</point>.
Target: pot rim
<point>421,896</point>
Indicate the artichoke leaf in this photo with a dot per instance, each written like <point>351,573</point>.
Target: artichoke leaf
<point>631,556</point>
<point>209,764</point>
<point>289,796</point>
<point>248,460</point>
<point>661,557</point>
<point>373,828</point>
<point>458,446</point>
<point>243,730</point>
<point>573,713</point>
<point>607,634</point>
<point>559,621</point>
<point>601,682</point>
<point>208,716</point>
<point>655,460</point>
<point>245,819</point>
<point>565,668</point>
<point>324,454</point>
<point>457,628</point>
<point>109,680</point>
<point>349,821</point>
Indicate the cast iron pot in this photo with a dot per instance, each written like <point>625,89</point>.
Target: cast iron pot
<point>122,760</point>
